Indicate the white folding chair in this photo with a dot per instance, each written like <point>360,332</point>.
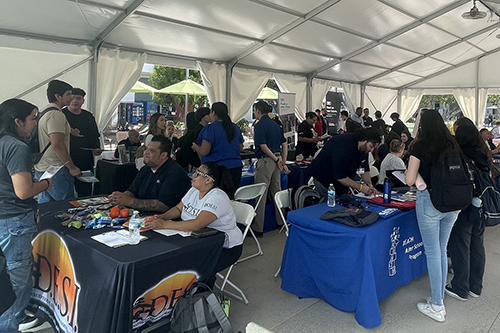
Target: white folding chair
<point>246,193</point>
<point>282,201</point>
<point>244,215</point>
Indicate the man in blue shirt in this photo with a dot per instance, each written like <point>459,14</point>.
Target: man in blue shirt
<point>271,150</point>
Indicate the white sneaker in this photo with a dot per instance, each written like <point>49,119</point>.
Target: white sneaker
<point>429,301</point>
<point>427,310</point>
<point>473,294</point>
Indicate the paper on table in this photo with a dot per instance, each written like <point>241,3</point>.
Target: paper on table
<point>171,232</point>
<point>51,171</point>
<point>114,238</point>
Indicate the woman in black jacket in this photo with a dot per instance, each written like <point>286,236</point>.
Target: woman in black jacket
<point>466,244</point>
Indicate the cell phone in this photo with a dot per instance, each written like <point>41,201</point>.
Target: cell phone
<point>204,232</point>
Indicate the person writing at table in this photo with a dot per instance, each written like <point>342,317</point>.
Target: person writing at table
<point>207,204</point>
<point>159,185</point>
<point>340,158</point>
<point>18,213</point>
<point>221,142</point>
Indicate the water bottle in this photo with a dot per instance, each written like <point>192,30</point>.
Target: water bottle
<point>387,190</point>
<point>134,229</point>
<point>331,196</point>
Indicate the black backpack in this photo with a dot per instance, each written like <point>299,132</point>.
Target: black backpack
<point>451,185</point>
<point>485,190</point>
<point>304,196</point>
<point>33,141</point>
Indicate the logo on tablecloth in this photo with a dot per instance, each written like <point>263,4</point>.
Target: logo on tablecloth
<point>393,251</point>
<point>158,301</point>
<point>55,288</point>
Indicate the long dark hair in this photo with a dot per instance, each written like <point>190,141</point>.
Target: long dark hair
<point>153,127</point>
<point>13,109</point>
<point>222,113</point>
<point>222,178</point>
<point>433,129</point>
<point>471,143</point>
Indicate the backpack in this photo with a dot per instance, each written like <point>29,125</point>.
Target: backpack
<point>200,312</point>
<point>451,182</point>
<point>305,196</point>
<point>485,189</point>
<point>34,142</point>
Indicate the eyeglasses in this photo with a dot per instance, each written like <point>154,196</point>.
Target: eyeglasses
<point>199,173</point>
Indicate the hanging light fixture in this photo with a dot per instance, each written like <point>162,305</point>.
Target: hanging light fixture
<point>474,13</point>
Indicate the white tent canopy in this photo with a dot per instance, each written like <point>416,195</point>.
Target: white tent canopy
<point>384,53</point>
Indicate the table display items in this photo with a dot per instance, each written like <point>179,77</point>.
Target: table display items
<point>134,227</point>
<point>331,196</point>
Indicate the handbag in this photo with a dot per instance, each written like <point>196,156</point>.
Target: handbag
<point>199,313</point>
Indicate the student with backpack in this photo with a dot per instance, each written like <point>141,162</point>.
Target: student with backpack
<point>466,246</point>
<point>434,142</point>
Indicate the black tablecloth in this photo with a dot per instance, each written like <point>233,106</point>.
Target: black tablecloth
<point>113,176</point>
<point>81,285</point>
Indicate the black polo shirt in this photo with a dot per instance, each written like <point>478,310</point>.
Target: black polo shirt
<point>168,184</point>
<point>306,148</point>
<point>337,160</point>
<point>266,131</point>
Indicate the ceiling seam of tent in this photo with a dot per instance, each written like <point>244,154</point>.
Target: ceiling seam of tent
<point>408,85</point>
<point>284,30</point>
<point>98,5</point>
<point>46,38</point>
<point>431,53</point>
<point>392,35</point>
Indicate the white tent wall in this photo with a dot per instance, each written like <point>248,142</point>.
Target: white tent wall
<point>117,72</point>
<point>320,88</point>
<point>352,94</point>
<point>384,100</point>
<point>246,85</point>
<point>214,79</point>
<point>294,84</point>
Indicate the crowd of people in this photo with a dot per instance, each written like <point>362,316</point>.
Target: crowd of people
<point>210,149</point>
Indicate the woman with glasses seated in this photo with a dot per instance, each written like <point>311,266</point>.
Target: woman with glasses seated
<point>207,204</point>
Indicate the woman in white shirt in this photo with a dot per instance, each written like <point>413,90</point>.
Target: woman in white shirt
<point>207,204</point>
<point>393,160</point>
<point>157,126</point>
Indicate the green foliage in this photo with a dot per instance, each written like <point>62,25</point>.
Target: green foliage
<point>447,102</point>
<point>493,99</point>
<point>272,84</point>
<point>242,124</point>
<point>162,77</point>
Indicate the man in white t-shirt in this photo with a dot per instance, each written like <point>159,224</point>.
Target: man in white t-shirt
<point>54,129</point>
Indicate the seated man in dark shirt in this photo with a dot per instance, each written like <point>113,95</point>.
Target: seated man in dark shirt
<point>131,143</point>
<point>159,185</point>
<point>339,159</point>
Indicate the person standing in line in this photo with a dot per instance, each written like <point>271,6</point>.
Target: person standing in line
<point>84,141</point>
<point>271,150</point>
<point>379,124</point>
<point>169,133</point>
<point>321,126</point>
<point>356,116</point>
<point>496,130</point>
<point>19,210</point>
<point>466,246</point>
<point>433,139</point>
<point>54,129</point>
<point>221,142</point>
<point>398,125</point>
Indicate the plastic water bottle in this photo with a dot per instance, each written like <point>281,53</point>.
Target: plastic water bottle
<point>331,196</point>
<point>387,190</point>
<point>134,229</point>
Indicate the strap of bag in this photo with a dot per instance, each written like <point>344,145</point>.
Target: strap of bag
<point>38,120</point>
<point>199,312</point>
<point>219,313</point>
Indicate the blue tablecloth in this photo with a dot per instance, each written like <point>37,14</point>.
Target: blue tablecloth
<point>352,269</point>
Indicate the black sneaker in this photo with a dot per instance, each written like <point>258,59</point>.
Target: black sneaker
<point>450,292</point>
<point>28,323</point>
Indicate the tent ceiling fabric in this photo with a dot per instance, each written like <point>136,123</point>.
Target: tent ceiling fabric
<point>382,43</point>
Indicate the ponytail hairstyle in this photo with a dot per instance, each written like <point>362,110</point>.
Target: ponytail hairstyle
<point>13,109</point>
<point>222,177</point>
<point>222,113</point>
<point>153,127</point>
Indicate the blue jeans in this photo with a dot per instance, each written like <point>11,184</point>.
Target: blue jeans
<point>63,187</point>
<point>435,228</point>
<point>16,234</point>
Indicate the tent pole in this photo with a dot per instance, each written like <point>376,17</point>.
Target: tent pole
<point>309,94</point>
<point>186,100</point>
<point>477,94</point>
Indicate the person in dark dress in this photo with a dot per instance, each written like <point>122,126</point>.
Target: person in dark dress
<point>398,125</point>
<point>84,140</point>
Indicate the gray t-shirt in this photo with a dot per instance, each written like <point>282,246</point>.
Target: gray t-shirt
<point>15,156</point>
<point>391,162</point>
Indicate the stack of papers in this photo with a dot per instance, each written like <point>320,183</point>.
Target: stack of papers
<point>171,232</point>
<point>114,238</point>
<point>87,177</point>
